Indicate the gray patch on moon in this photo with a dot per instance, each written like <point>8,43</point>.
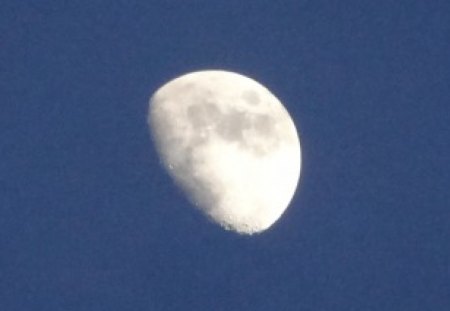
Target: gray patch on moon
<point>203,115</point>
<point>250,97</point>
<point>267,138</point>
<point>264,125</point>
<point>232,124</point>
<point>252,131</point>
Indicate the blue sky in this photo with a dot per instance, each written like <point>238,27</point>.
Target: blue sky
<point>89,220</point>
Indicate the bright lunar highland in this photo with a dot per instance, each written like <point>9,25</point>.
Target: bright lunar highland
<point>229,144</point>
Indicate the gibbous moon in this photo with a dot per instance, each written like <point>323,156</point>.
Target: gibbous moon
<point>229,144</point>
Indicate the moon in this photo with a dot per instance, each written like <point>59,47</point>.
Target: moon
<point>229,144</point>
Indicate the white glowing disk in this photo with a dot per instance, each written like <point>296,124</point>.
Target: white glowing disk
<point>229,143</point>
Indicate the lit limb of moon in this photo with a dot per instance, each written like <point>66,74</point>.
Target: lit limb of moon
<point>229,144</point>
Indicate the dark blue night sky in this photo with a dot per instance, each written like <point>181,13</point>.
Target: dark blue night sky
<point>89,220</point>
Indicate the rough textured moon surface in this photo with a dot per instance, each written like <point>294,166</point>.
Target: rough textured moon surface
<point>230,145</point>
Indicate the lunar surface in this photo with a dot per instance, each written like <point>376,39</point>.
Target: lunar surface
<point>230,145</point>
